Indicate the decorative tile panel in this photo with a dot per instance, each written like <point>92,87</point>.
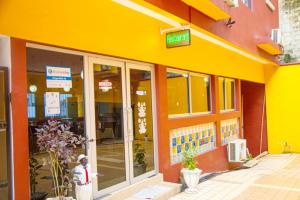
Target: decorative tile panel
<point>229,130</point>
<point>202,138</point>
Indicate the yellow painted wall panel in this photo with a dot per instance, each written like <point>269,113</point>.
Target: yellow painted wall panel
<point>283,109</point>
<point>106,27</point>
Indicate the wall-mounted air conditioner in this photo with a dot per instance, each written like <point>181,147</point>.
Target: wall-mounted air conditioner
<point>237,150</point>
<point>232,3</point>
<point>276,35</point>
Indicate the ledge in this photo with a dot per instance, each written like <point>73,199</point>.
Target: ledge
<point>270,48</point>
<point>208,8</point>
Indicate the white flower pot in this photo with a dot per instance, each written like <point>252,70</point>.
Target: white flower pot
<point>191,178</point>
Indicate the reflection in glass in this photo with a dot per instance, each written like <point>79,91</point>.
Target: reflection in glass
<point>226,94</point>
<point>222,93</point>
<point>178,93</point>
<point>200,93</point>
<point>3,140</point>
<point>109,125</point>
<point>230,94</point>
<point>71,106</point>
<point>141,104</point>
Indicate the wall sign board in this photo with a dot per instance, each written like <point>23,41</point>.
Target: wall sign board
<point>58,77</point>
<point>178,38</point>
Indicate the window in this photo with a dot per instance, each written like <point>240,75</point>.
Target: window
<point>70,99</point>
<point>227,94</point>
<point>200,93</point>
<point>248,3</point>
<point>188,93</point>
<point>178,92</point>
<point>31,105</point>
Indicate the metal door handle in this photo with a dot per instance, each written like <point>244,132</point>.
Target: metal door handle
<point>91,140</point>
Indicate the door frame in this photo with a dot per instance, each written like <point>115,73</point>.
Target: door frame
<point>93,151</point>
<point>8,131</point>
<point>142,66</point>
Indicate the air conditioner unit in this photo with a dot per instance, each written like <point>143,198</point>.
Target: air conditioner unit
<point>237,150</point>
<point>232,3</point>
<point>276,35</point>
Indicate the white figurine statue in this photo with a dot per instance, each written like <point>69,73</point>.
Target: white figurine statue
<point>83,179</point>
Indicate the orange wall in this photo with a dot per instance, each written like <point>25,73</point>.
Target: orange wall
<point>19,119</point>
<point>215,160</point>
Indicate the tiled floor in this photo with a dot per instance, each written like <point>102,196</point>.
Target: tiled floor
<point>276,177</point>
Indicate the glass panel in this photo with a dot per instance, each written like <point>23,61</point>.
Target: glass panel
<point>230,94</point>
<point>222,93</point>
<point>141,104</point>
<point>109,125</point>
<point>200,93</point>
<point>70,109</point>
<point>178,93</point>
<point>3,140</point>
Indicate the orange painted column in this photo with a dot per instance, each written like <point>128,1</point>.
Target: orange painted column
<point>216,108</point>
<point>19,119</point>
<point>162,118</point>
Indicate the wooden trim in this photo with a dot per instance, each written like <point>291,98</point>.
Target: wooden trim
<point>8,132</point>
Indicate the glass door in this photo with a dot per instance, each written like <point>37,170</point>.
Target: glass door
<point>140,120</point>
<point>121,123</point>
<point>4,137</point>
<point>108,125</point>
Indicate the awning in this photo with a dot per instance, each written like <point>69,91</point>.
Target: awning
<point>270,48</point>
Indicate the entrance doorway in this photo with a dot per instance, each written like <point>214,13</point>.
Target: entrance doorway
<point>121,109</point>
<point>5,186</point>
<point>110,101</point>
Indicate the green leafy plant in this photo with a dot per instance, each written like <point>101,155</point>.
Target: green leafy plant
<point>189,161</point>
<point>55,138</point>
<point>249,157</point>
<point>34,167</point>
<point>140,158</point>
<point>287,58</point>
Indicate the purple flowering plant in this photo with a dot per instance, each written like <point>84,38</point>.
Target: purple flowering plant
<point>60,143</point>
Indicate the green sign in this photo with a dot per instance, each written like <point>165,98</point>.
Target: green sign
<point>178,38</point>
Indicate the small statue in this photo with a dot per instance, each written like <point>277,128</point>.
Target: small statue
<point>83,179</point>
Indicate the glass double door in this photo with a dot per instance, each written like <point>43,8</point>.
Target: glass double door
<point>121,123</point>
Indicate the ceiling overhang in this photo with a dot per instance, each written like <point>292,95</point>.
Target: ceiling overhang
<point>208,8</point>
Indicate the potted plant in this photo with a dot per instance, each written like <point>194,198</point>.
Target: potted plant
<point>191,173</point>
<point>34,168</point>
<point>146,137</point>
<point>56,139</point>
<point>140,163</point>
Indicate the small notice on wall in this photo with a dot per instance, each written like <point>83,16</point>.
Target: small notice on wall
<point>52,103</point>
<point>58,77</point>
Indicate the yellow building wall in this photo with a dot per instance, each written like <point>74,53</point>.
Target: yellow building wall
<point>106,27</point>
<point>283,109</point>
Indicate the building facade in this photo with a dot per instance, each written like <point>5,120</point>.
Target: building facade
<point>126,91</point>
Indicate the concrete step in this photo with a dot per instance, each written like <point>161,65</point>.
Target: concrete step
<point>161,191</point>
<point>153,188</point>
